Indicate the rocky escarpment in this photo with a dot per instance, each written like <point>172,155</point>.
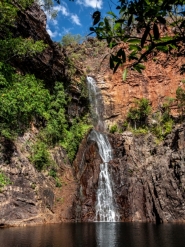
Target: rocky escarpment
<point>31,197</point>
<point>50,64</point>
<point>148,179</point>
<point>158,80</point>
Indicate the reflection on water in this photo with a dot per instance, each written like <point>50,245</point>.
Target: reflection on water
<point>106,234</point>
<point>99,234</point>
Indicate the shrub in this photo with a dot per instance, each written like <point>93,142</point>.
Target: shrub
<point>113,128</point>
<point>4,180</point>
<point>73,137</point>
<point>23,98</point>
<point>138,114</point>
<point>40,156</point>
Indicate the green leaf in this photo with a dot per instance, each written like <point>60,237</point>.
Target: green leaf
<point>134,41</point>
<point>112,44</point>
<point>134,48</point>
<point>139,67</point>
<point>162,48</point>
<point>101,24</point>
<point>124,76</point>
<point>111,13</point>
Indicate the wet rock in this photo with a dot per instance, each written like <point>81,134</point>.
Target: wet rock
<point>148,180</point>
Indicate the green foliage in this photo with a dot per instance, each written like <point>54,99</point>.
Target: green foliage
<point>142,25</point>
<point>138,114</point>
<point>40,156</point>
<point>141,120</point>
<point>113,129</point>
<point>4,180</point>
<point>56,119</point>
<point>58,130</point>
<point>19,47</point>
<point>74,136</point>
<point>23,98</point>
<point>53,173</point>
<point>180,98</point>
<point>8,12</point>
<point>141,131</point>
<point>162,129</point>
<point>70,39</point>
<point>15,47</point>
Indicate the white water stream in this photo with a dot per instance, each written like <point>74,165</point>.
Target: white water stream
<point>105,208</point>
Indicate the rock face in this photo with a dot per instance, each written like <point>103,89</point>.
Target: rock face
<point>50,64</point>
<point>32,197</point>
<point>148,179</point>
<point>159,80</point>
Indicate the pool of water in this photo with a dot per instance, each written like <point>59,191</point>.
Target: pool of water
<point>95,235</point>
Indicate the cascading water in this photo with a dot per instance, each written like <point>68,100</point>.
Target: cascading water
<point>105,209</point>
<point>96,104</point>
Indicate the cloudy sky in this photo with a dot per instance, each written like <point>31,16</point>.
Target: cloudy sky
<point>76,16</point>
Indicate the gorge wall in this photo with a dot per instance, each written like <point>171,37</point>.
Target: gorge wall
<point>159,80</point>
<point>148,177</point>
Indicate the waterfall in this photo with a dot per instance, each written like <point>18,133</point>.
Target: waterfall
<point>105,208</point>
<point>96,104</point>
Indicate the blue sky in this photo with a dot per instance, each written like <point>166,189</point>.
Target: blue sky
<point>75,16</point>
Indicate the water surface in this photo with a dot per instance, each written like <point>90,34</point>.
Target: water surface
<point>95,235</point>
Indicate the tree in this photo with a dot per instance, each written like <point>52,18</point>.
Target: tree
<point>144,25</point>
<point>139,113</point>
<point>70,39</point>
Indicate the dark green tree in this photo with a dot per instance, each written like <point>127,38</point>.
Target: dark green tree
<point>138,114</point>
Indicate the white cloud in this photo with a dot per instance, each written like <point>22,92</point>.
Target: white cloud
<point>52,34</point>
<point>62,9</point>
<point>53,24</point>
<point>75,19</point>
<point>91,3</point>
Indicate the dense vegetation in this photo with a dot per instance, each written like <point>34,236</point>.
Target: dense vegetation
<point>25,100</point>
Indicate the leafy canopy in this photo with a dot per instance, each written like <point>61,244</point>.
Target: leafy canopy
<point>145,26</point>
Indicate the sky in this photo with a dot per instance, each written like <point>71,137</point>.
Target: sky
<point>75,17</point>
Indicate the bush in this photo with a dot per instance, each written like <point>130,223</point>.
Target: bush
<point>74,136</point>
<point>4,180</point>
<point>113,128</point>
<point>58,130</point>
<point>138,114</point>
<point>23,98</point>
<point>139,118</point>
<point>40,156</point>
